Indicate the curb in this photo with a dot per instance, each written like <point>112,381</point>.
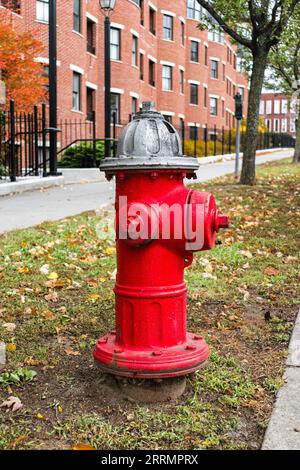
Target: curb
<point>283,432</point>
<point>31,184</point>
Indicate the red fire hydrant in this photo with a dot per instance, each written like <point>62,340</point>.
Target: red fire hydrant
<point>159,224</point>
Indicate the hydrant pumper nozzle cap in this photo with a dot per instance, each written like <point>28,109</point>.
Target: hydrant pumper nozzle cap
<point>149,142</point>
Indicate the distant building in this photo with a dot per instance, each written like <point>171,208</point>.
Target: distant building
<point>157,54</point>
<point>275,110</point>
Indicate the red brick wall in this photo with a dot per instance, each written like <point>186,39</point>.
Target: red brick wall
<point>126,77</point>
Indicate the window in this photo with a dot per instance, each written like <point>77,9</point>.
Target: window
<point>241,91</point>
<point>214,69</point>
<point>42,10</point>
<point>142,19</point>
<point>194,10</point>
<point>213,106</point>
<point>194,51</point>
<point>215,34</point>
<point>292,125</point>
<point>262,107</point>
<point>276,125</point>
<point>284,106</point>
<point>194,96</point>
<point>76,105</point>
<point>193,133</point>
<point>90,104</point>
<point>168,118</point>
<point>168,27</point>
<point>205,97</point>
<point>134,52</point>
<point>167,75</point>
<point>223,108</point>
<point>14,5</point>
<point>152,21</point>
<point>134,103</point>
<point>268,107</point>
<point>205,55</point>
<point>141,66</point>
<point>115,40</point>
<point>224,73</point>
<point>77,16</point>
<point>276,106</point>
<point>115,101</point>
<point>151,72</point>
<point>181,83</point>
<point>91,36</point>
<point>182,33</point>
<point>46,75</point>
<point>284,125</point>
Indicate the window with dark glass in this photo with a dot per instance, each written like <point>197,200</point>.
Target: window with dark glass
<point>194,95</point>
<point>91,36</point>
<point>14,5</point>
<point>142,19</point>
<point>76,105</point>
<point>214,69</point>
<point>77,16</point>
<point>134,52</point>
<point>181,78</point>
<point>90,104</point>
<point>115,106</point>
<point>115,44</point>
<point>134,103</point>
<point>182,33</point>
<point>152,21</point>
<point>168,118</point>
<point>167,78</point>
<point>194,51</point>
<point>141,66</point>
<point>205,55</point>
<point>168,27</point>
<point>213,106</point>
<point>151,72</point>
<point>193,133</point>
<point>224,72</point>
<point>205,97</point>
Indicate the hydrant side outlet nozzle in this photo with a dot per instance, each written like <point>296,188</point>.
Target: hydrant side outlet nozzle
<point>159,224</point>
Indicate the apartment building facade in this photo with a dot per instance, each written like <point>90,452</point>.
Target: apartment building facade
<point>277,113</point>
<point>157,54</point>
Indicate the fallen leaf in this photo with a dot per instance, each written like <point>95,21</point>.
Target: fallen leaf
<point>52,297</point>
<point>9,327</point>
<point>11,347</point>
<point>94,296</point>
<point>53,276</point>
<point>12,404</point>
<point>71,352</point>
<point>271,271</point>
<point>44,269</point>
<point>40,416</point>
<point>23,270</point>
<point>81,446</point>
<point>48,314</point>
<point>17,441</point>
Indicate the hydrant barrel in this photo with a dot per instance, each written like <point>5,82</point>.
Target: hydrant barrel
<point>159,224</point>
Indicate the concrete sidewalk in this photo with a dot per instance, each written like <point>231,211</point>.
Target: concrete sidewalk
<point>34,207</point>
<point>283,432</point>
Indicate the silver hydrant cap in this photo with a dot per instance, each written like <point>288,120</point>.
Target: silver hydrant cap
<point>149,142</point>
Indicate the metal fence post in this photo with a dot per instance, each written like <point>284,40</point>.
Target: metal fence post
<point>44,150</point>
<point>94,140</point>
<point>115,134</point>
<point>215,140</point>
<point>223,140</point>
<point>183,137</point>
<point>229,141</point>
<point>205,140</point>
<point>195,140</point>
<point>36,141</point>
<point>12,149</point>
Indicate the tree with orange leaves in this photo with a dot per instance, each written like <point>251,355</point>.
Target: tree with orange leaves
<point>23,76</point>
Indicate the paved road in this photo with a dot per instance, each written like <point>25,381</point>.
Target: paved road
<point>32,208</point>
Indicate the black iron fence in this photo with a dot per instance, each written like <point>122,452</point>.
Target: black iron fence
<point>24,142</point>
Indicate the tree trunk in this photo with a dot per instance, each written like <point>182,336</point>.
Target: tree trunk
<point>257,77</point>
<point>296,158</point>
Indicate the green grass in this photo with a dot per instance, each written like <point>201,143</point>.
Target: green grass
<point>243,297</point>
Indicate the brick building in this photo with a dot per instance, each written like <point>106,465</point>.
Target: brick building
<point>276,112</point>
<point>157,54</point>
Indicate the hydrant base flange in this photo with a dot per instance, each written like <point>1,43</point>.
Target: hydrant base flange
<point>182,359</point>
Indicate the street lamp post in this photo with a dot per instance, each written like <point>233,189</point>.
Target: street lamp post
<point>107,7</point>
<point>53,87</point>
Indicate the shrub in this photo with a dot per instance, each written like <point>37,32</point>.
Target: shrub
<point>82,156</point>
